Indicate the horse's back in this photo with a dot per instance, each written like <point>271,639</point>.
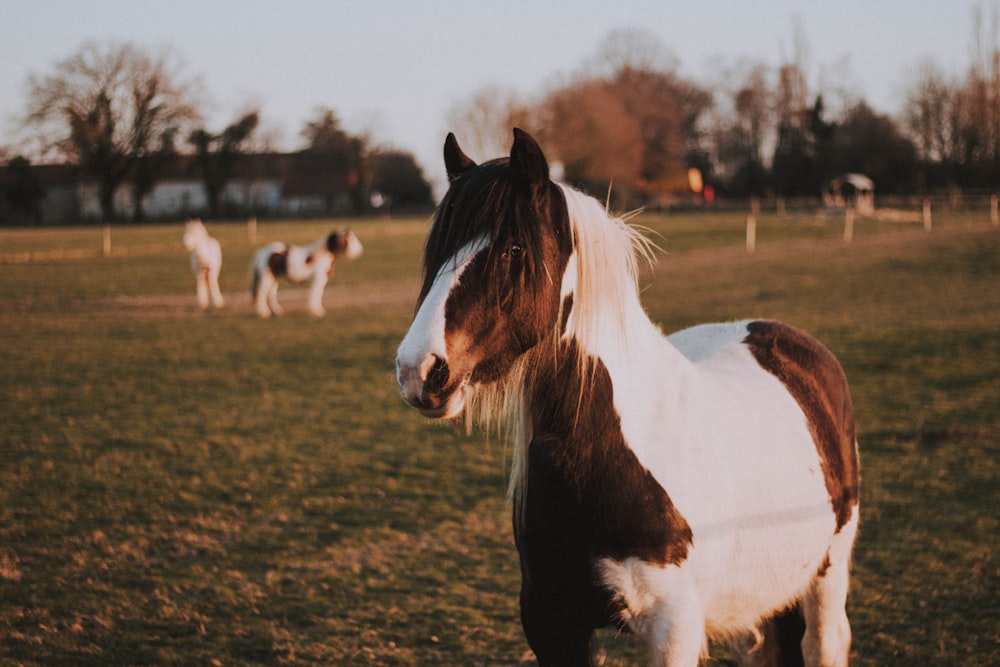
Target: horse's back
<point>701,341</point>
<point>262,258</point>
<point>756,369</point>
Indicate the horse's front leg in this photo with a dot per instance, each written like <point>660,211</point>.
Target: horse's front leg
<point>213,280</point>
<point>202,287</point>
<point>556,637</point>
<point>316,294</point>
<point>662,605</point>
<point>263,284</point>
<point>272,298</point>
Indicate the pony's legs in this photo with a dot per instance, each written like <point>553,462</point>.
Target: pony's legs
<point>661,604</point>
<point>272,297</point>
<point>316,294</point>
<point>202,287</point>
<point>827,641</point>
<point>213,281</point>
<point>676,632</point>
<point>265,284</point>
<point>777,644</point>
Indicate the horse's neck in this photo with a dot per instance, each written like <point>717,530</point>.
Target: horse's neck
<point>629,365</point>
<point>606,317</point>
<point>315,246</point>
<point>626,341</point>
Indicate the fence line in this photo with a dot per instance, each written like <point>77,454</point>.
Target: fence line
<point>967,210</point>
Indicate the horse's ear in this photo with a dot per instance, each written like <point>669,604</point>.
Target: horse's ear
<point>527,161</point>
<point>456,162</point>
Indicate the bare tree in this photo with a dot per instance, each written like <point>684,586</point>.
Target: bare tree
<point>338,160</point>
<point>955,123</point>
<point>217,154</point>
<point>591,132</point>
<point>108,108</point>
<point>485,120</point>
<point>628,121</point>
<point>982,125</point>
<point>928,115</point>
<point>324,133</point>
<point>631,49</point>
<point>744,127</point>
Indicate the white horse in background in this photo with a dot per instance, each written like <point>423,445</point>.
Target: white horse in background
<point>206,262</point>
<point>313,262</point>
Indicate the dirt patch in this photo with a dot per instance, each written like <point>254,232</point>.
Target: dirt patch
<point>403,293</point>
<point>382,294</point>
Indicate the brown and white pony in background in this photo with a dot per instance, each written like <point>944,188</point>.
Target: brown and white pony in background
<point>314,262</point>
<point>206,262</point>
<point>698,486</point>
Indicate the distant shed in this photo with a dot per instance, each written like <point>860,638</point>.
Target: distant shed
<point>850,191</point>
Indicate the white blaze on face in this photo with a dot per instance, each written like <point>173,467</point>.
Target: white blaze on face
<point>424,343</point>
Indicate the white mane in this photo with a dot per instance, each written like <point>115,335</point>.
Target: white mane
<point>602,277</point>
<point>603,274</point>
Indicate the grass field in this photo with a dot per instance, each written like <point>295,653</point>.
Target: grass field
<point>187,488</point>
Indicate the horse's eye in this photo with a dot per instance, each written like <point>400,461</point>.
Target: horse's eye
<point>515,250</point>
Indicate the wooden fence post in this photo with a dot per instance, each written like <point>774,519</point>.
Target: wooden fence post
<point>994,216</point>
<point>751,233</point>
<point>927,215</point>
<point>252,230</point>
<point>848,225</point>
<point>106,240</point>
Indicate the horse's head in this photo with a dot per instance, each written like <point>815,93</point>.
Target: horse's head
<point>493,267</point>
<point>344,242</point>
<point>194,232</point>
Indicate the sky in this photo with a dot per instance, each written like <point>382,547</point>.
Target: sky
<point>394,69</point>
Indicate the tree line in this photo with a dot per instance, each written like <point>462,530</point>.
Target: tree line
<point>626,123</point>
<point>121,113</point>
<point>628,119</point>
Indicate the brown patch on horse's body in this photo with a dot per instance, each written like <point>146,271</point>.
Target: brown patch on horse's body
<point>277,263</point>
<point>816,380</point>
<point>586,498</point>
<point>336,243</point>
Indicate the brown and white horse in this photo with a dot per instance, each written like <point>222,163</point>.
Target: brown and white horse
<point>314,262</point>
<point>698,486</point>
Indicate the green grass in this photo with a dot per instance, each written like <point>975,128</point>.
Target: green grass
<point>187,488</point>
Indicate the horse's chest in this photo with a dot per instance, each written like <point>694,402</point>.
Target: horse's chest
<point>608,505</point>
<point>586,495</point>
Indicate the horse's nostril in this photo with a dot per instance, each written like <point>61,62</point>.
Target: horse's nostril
<point>437,376</point>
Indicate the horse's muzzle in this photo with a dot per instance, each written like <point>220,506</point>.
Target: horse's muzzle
<point>429,387</point>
